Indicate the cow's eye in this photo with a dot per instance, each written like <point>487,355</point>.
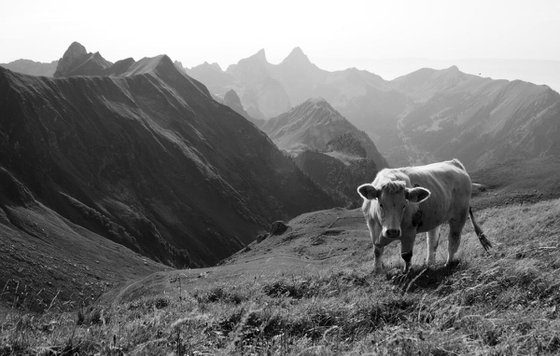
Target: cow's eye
<point>381,205</point>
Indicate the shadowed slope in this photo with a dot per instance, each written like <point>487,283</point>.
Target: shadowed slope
<point>152,153</point>
<point>45,257</point>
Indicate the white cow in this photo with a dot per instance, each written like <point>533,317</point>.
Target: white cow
<point>402,202</point>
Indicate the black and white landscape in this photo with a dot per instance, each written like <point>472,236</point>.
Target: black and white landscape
<point>150,204</point>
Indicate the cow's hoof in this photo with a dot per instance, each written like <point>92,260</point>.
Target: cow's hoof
<point>379,271</point>
<point>430,263</point>
<point>451,264</point>
<point>406,269</point>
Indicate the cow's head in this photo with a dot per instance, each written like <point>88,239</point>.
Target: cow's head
<point>392,200</point>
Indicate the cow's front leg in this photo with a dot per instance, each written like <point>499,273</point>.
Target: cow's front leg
<point>407,245</point>
<point>375,234</point>
<point>377,255</point>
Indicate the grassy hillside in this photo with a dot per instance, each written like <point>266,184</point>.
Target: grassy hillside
<point>311,291</point>
<point>519,181</point>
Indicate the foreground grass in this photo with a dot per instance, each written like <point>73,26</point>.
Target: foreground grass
<point>506,303</point>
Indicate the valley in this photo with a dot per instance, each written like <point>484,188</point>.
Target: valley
<point>138,160</point>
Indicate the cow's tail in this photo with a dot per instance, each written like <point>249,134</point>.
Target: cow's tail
<point>486,244</point>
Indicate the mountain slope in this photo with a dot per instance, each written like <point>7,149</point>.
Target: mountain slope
<point>44,256</point>
<point>148,159</point>
<point>483,122</point>
<point>328,148</point>
<point>313,125</point>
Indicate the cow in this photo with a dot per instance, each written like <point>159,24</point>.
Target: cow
<point>402,202</point>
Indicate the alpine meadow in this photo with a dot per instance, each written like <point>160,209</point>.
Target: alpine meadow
<point>375,179</point>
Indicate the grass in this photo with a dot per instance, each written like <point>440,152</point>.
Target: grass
<point>506,303</point>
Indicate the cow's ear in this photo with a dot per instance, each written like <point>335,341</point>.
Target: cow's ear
<point>417,195</point>
<point>368,191</point>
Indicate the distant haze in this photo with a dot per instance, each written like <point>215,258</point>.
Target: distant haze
<point>372,35</point>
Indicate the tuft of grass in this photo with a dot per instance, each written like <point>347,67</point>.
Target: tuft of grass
<point>222,294</point>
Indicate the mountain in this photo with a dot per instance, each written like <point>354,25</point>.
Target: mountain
<point>424,116</point>
<point>326,146</point>
<point>77,61</point>
<point>147,158</point>
<point>232,100</point>
<point>262,95</point>
<point>29,67</point>
<point>482,121</point>
<point>216,80</point>
<point>337,177</point>
<point>316,125</point>
<point>267,90</point>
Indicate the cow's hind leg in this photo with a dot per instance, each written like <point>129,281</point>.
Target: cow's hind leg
<point>432,241</point>
<point>454,238</point>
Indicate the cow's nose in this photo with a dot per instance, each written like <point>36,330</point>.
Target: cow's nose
<point>392,233</point>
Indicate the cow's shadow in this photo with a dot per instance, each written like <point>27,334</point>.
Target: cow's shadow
<point>422,277</point>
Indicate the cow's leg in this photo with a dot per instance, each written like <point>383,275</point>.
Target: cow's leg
<point>375,232</point>
<point>407,245</point>
<point>454,239</point>
<point>378,253</point>
<point>432,241</point>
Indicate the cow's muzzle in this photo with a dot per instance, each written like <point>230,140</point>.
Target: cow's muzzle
<point>393,233</point>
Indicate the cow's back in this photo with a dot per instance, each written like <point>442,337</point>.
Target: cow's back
<point>450,188</point>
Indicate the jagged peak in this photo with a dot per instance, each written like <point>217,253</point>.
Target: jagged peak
<point>75,57</point>
<point>316,101</point>
<point>75,50</point>
<point>257,60</point>
<point>98,56</point>
<point>231,95</point>
<point>296,56</point>
<point>214,65</point>
<point>297,51</point>
<point>152,64</point>
<point>260,56</point>
<point>208,66</point>
<point>318,105</point>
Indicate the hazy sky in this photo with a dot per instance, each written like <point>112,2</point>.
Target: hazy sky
<point>334,34</point>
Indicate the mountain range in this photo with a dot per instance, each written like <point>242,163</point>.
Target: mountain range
<point>139,153</point>
<point>425,116</point>
<point>29,67</point>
